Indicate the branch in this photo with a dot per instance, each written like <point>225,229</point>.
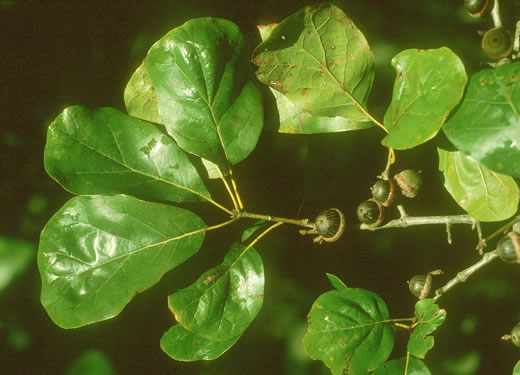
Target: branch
<point>495,13</point>
<point>462,276</point>
<point>302,223</point>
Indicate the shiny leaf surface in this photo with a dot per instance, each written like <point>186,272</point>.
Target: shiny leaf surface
<point>15,257</point>
<point>97,252</point>
<point>349,331</point>
<point>487,124</point>
<point>429,317</point>
<point>429,84</point>
<point>320,60</point>
<point>294,120</point>
<point>205,90</point>
<point>183,345</point>
<point>222,303</point>
<point>398,366</point>
<point>484,194</point>
<point>104,151</point>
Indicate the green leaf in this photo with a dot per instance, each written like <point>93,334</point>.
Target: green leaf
<point>183,345</point>
<point>336,281</point>
<point>295,120</point>
<point>398,366</point>
<point>516,370</point>
<point>205,90</point>
<point>140,97</point>
<point>222,303</point>
<point>487,124</point>
<point>91,362</point>
<point>251,230</point>
<point>321,61</point>
<point>429,84</point>
<point>429,317</point>
<point>104,151</point>
<point>15,257</point>
<point>97,252</point>
<point>484,194</point>
<point>349,331</point>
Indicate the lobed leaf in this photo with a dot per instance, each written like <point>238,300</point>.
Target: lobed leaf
<point>204,89</point>
<point>183,345</point>
<point>486,126</point>
<point>398,367</point>
<point>97,252</point>
<point>222,303</point>
<point>484,194</point>
<point>104,151</point>
<point>321,61</point>
<point>429,317</point>
<point>429,84</point>
<point>349,331</point>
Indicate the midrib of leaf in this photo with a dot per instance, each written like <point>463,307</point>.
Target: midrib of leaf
<point>325,69</point>
<point>374,323</point>
<point>158,178</point>
<point>133,252</point>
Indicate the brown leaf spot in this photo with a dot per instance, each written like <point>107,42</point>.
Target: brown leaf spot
<point>304,91</point>
<point>261,296</point>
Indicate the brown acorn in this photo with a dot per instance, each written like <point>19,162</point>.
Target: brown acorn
<point>410,182</point>
<point>497,43</point>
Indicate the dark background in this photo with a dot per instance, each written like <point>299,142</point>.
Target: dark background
<point>55,53</point>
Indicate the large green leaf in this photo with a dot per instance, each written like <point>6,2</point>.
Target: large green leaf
<point>429,318</point>
<point>320,60</point>
<point>516,370</point>
<point>140,97</point>
<point>204,88</point>
<point>295,120</point>
<point>97,252</point>
<point>183,345</point>
<point>398,366</point>
<point>104,151</point>
<point>487,124</point>
<point>349,331</point>
<point>15,257</point>
<point>429,84</point>
<point>484,194</point>
<point>222,303</point>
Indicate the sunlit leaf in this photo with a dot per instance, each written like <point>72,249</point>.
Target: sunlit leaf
<point>487,124</point>
<point>484,194</point>
<point>222,303</point>
<point>140,97</point>
<point>349,331</point>
<point>15,256</point>
<point>205,90</point>
<point>429,84</point>
<point>320,60</point>
<point>398,366</point>
<point>516,370</point>
<point>336,281</point>
<point>104,151</point>
<point>183,345</point>
<point>97,252</point>
<point>429,317</point>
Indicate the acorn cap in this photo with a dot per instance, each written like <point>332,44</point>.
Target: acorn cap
<point>330,225</point>
<point>497,43</point>
<point>410,182</point>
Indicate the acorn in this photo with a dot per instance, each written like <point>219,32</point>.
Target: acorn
<point>410,182</point>
<point>476,8</point>
<point>508,248</point>
<point>370,212</point>
<point>384,191</point>
<point>330,225</point>
<point>420,285</point>
<point>515,335</point>
<point>497,43</point>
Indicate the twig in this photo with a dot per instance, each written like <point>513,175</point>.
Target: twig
<point>462,276</point>
<point>302,223</point>
<point>495,13</point>
<point>407,221</point>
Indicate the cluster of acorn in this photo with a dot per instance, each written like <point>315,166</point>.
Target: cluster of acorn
<point>384,193</point>
<point>497,43</point>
